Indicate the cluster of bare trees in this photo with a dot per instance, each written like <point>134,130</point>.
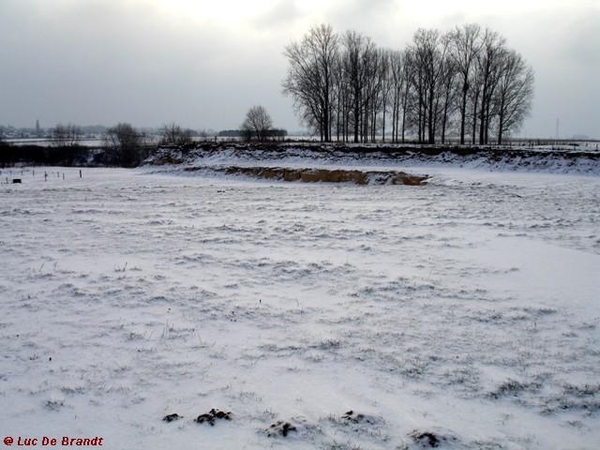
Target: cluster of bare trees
<point>466,83</point>
<point>173,134</point>
<point>65,135</point>
<point>127,146</point>
<point>124,145</point>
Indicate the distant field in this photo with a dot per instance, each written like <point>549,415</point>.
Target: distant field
<point>541,144</point>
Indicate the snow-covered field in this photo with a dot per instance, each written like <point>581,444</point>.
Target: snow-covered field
<point>462,314</point>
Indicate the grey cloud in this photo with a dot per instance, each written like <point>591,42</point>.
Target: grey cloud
<point>362,14</point>
<point>106,61</point>
<point>582,39</point>
<point>99,62</point>
<point>283,13</point>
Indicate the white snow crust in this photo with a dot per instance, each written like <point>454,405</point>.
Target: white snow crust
<point>467,308</point>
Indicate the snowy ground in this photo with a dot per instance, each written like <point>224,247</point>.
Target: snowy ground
<point>466,310</point>
<point>537,160</point>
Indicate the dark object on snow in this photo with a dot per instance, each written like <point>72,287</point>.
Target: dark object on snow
<point>349,415</point>
<point>212,415</point>
<point>364,419</point>
<point>280,427</point>
<point>172,417</point>
<point>427,438</point>
<point>16,181</point>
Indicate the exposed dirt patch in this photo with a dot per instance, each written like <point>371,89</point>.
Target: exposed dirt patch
<point>321,175</point>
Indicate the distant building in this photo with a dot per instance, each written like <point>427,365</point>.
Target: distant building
<point>38,131</point>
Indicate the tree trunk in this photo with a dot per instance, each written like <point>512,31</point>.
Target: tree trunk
<point>383,122</point>
<point>475,104</point>
<point>501,122</point>
<point>463,113</point>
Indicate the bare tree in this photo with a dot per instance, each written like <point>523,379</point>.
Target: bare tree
<point>65,135</point>
<point>447,98</point>
<point>490,58</point>
<point>386,84</point>
<point>464,50</point>
<point>124,143</point>
<point>377,70</point>
<point>406,75</point>
<point>428,53</point>
<point>358,60</point>
<point>257,123</point>
<point>310,80</point>
<point>514,93</point>
<point>396,87</point>
<point>173,134</point>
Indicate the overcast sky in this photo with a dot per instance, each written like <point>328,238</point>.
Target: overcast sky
<point>203,63</point>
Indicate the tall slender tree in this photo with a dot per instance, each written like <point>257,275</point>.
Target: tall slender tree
<point>310,80</point>
<point>490,57</point>
<point>464,50</point>
<point>514,93</point>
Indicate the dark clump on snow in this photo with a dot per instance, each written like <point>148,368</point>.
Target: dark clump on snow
<point>211,416</point>
<point>514,388</point>
<point>172,417</point>
<point>280,428</point>
<point>429,439</point>
<point>351,416</point>
<point>426,438</point>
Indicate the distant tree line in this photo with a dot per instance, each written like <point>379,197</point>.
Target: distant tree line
<point>58,156</point>
<point>274,133</point>
<point>173,134</point>
<point>64,136</point>
<point>466,83</point>
<point>125,146</point>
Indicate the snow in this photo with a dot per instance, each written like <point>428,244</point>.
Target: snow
<point>501,159</point>
<point>467,308</point>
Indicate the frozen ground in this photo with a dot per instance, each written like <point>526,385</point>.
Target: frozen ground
<point>465,310</point>
<point>538,160</point>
